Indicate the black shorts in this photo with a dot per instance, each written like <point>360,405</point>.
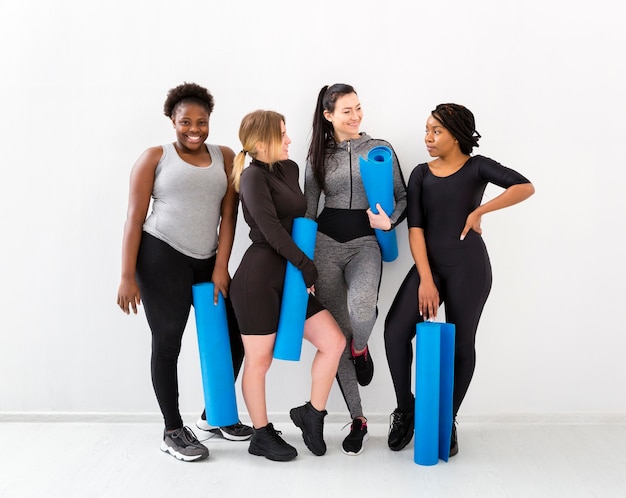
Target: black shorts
<point>256,291</point>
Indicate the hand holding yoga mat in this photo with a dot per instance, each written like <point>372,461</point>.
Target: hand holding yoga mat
<point>434,383</point>
<point>218,377</point>
<point>377,177</point>
<point>288,345</point>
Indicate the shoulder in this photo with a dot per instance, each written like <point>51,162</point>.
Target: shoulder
<point>157,151</point>
<point>484,165</point>
<point>419,171</point>
<point>367,142</point>
<point>149,158</point>
<point>290,165</point>
<point>227,152</point>
<point>417,176</point>
<point>479,160</point>
<point>227,156</point>
<point>253,171</point>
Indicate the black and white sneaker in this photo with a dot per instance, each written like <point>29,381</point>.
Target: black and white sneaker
<point>235,432</point>
<point>183,444</point>
<point>353,444</point>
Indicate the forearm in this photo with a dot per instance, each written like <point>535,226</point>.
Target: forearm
<point>225,241</point>
<point>130,248</point>
<point>511,196</point>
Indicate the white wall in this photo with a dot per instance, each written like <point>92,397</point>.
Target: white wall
<point>82,90</point>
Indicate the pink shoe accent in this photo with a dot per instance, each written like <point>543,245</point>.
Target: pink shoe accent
<point>354,354</point>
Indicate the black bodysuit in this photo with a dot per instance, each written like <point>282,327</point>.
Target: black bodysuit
<point>270,199</point>
<point>460,268</point>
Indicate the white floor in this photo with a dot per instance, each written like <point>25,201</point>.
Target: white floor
<point>122,459</point>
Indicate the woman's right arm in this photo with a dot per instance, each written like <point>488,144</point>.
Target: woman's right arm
<point>260,204</point>
<point>140,191</point>
<point>312,192</point>
<point>427,294</point>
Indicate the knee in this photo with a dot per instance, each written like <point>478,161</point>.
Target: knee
<point>339,342</point>
<point>257,364</point>
<point>335,342</point>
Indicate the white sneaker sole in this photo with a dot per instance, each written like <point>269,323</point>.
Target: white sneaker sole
<point>350,453</point>
<point>210,432</point>
<point>178,455</point>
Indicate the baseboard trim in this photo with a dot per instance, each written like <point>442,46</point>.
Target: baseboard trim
<point>153,417</point>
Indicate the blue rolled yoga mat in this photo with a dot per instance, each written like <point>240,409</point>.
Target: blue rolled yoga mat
<point>434,383</point>
<point>216,364</point>
<point>288,345</point>
<point>377,177</point>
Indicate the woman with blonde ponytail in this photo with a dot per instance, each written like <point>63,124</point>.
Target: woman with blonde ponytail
<point>271,198</point>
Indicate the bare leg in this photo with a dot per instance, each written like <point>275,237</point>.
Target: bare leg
<point>322,331</point>
<point>257,360</point>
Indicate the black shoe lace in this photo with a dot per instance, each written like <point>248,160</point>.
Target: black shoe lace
<point>396,420</point>
<point>189,437</point>
<point>275,436</point>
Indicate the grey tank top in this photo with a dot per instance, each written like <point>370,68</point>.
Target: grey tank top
<point>186,202</point>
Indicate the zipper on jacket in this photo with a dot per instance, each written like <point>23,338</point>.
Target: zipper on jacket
<point>350,162</point>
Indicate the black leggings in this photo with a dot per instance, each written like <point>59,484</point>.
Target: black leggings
<point>165,277</point>
<point>463,289</point>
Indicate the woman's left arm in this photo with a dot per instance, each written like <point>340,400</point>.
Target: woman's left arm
<point>512,195</point>
<point>226,232</point>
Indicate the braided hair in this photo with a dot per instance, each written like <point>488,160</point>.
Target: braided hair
<point>459,121</point>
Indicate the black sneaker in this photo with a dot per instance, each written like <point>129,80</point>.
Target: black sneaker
<point>267,442</point>
<point>401,428</point>
<point>353,443</point>
<point>454,444</point>
<point>364,366</point>
<point>311,421</point>
<point>235,432</point>
<point>183,444</point>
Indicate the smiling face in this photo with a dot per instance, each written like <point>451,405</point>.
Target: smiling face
<point>439,141</point>
<point>346,118</point>
<point>191,122</point>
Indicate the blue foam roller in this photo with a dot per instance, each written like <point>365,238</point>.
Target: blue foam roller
<point>446,388</point>
<point>427,368</point>
<point>434,385</point>
<point>377,177</point>
<point>216,364</point>
<point>288,345</point>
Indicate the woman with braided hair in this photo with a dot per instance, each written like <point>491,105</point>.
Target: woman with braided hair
<point>452,266</point>
<point>186,239</point>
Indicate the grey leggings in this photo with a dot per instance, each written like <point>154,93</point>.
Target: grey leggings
<point>347,285</point>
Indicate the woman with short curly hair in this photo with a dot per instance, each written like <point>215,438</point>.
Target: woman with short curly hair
<point>186,239</point>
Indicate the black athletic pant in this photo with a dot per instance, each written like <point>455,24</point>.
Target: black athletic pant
<point>165,277</point>
<point>463,284</point>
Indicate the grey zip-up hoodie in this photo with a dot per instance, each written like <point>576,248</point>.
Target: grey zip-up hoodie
<point>343,187</point>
